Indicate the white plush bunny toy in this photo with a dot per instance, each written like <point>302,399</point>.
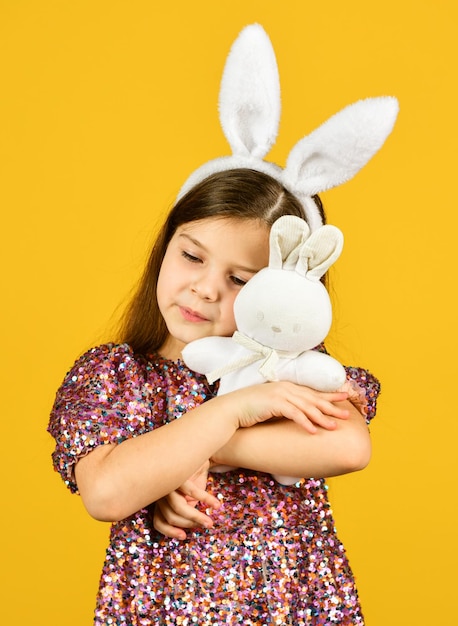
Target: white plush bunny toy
<point>284,311</point>
<point>281,314</point>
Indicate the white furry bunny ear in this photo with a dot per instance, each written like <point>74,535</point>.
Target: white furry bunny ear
<point>249,105</point>
<point>249,101</point>
<point>339,148</point>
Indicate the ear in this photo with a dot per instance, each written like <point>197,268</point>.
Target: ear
<point>337,150</point>
<point>319,252</point>
<point>249,100</point>
<point>287,236</point>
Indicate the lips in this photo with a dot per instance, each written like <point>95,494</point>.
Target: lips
<point>192,316</point>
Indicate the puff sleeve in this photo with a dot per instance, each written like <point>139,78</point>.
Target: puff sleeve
<point>366,388</point>
<point>108,396</point>
<point>369,387</point>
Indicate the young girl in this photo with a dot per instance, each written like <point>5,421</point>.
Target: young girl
<point>267,554</point>
<point>137,434</point>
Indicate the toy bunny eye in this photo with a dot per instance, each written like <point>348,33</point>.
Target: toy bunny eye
<point>260,316</point>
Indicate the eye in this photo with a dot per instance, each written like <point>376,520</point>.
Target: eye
<point>190,257</point>
<point>238,281</point>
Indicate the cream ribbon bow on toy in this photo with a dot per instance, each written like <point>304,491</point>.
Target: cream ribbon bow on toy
<point>249,109</point>
<point>270,359</point>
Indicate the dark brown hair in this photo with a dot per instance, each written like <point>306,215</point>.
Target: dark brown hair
<point>237,194</point>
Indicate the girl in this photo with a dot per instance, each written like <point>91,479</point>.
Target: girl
<point>137,432</point>
<point>256,552</point>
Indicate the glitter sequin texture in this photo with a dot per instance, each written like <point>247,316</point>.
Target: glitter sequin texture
<point>273,556</point>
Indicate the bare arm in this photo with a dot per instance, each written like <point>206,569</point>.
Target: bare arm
<point>278,447</point>
<point>281,447</point>
<point>117,480</point>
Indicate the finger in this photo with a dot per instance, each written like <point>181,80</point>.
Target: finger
<point>189,489</point>
<point>333,410</point>
<point>335,396</point>
<point>171,517</point>
<point>299,415</point>
<point>165,528</point>
<point>326,415</point>
<point>319,419</point>
<point>328,404</point>
<point>309,416</point>
<point>184,516</point>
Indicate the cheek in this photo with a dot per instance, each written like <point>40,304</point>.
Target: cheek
<point>169,275</point>
<point>160,280</point>
<point>165,283</point>
<point>228,314</point>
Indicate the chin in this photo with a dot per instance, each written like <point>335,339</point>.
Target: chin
<point>184,336</point>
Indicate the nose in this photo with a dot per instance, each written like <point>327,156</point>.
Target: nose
<point>206,287</point>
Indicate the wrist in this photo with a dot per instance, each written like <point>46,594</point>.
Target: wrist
<point>227,411</point>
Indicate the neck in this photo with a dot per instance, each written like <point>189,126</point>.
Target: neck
<point>171,349</point>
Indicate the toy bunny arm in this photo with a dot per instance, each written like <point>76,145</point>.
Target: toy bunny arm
<point>318,371</point>
<point>207,354</point>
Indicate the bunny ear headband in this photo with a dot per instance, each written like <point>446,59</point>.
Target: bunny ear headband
<point>249,106</point>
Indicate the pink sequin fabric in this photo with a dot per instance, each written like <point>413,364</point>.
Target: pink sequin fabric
<point>273,557</point>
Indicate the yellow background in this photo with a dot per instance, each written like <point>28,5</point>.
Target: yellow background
<point>105,108</point>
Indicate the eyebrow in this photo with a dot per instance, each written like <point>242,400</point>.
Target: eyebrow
<point>197,243</point>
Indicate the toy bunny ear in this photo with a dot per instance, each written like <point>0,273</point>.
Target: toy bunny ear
<point>287,236</point>
<point>249,100</point>
<point>339,148</point>
<point>319,252</point>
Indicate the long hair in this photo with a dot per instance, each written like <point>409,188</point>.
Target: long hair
<point>242,194</point>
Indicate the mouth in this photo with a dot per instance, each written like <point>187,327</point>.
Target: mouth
<point>192,316</point>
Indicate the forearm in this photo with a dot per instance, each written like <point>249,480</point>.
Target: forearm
<point>283,447</point>
<point>117,480</point>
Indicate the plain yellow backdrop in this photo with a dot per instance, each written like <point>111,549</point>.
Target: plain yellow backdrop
<point>105,108</point>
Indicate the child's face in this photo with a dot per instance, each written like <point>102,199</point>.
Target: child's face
<point>206,264</point>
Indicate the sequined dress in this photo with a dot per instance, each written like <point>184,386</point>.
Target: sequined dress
<point>273,556</point>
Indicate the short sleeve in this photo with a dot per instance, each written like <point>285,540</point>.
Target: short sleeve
<point>370,386</point>
<point>367,382</point>
<point>104,398</point>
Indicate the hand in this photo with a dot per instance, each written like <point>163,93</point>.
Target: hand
<point>307,407</point>
<point>356,395</point>
<point>177,510</point>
